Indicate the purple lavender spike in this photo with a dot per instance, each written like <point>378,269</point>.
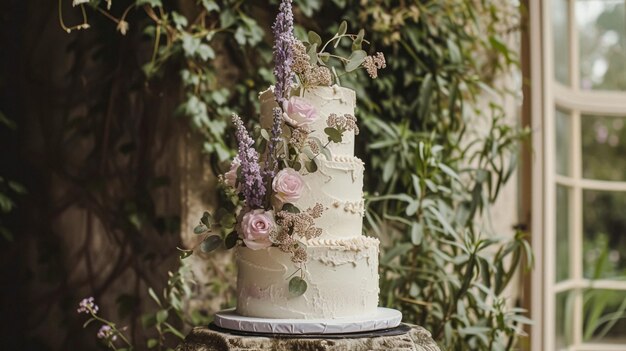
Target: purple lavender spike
<point>252,184</point>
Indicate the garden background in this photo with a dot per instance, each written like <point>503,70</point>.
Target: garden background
<point>114,124</point>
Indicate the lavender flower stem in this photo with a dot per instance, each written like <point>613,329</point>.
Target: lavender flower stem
<point>283,55</point>
<point>252,185</point>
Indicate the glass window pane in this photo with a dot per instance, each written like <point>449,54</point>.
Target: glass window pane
<point>604,316</point>
<point>604,242</point>
<point>560,41</point>
<point>563,142</point>
<point>563,319</point>
<point>562,233</point>
<point>604,147</point>
<point>602,36</point>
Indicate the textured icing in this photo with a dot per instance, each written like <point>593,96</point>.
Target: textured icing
<point>342,281</point>
<point>326,100</point>
<point>342,266</point>
<point>336,181</point>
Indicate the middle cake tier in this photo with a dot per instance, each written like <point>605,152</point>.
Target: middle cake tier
<point>338,186</point>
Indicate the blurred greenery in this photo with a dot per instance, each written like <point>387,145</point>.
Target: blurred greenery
<point>435,139</point>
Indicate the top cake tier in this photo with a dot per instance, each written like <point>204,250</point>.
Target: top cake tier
<point>326,100</point>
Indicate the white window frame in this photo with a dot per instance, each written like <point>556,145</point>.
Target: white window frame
<point>546,96</point>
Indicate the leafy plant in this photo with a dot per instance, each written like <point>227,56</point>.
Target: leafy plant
<point>165,321</point>
<point>432,173</point>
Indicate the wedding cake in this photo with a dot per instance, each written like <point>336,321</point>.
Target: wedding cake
<point>342,265</point>
<point>296,187</point>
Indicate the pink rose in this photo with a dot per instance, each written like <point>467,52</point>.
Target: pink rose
<point>288,185</point>
<point>256,227</point>
<point>298,112</point>
<point>230,177</point>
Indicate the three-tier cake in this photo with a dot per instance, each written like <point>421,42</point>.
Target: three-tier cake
<point>342,266</point>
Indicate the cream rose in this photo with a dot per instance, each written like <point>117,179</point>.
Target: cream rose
<point>256,227</point>
<point>230,177</point>
<point>298,112</point>
<point>288,185</point>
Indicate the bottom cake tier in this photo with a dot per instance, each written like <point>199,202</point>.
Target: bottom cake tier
<point>342,278</point>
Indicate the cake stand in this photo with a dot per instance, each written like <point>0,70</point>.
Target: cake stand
<point>383,318</point>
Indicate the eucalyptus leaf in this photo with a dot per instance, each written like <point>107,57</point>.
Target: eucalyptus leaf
<point>312,52</point>
<point>297,286</point>
<point>333,134</point>
<point>290,208</point>
<point>206,219</point>
<point>343,28</point>
<point>200,229</point>
<point>311,166</point>
<point>314,38</point>
<point>231,240</point>
<point>211,243</point>
<point>355,60</point>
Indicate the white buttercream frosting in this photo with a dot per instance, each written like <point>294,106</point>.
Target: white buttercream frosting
<point>342,266</point>
<point>342,281</point>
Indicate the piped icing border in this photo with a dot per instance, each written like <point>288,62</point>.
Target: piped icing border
<point>359,243</point>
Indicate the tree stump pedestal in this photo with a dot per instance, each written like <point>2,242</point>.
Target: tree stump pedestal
<point>409,338</point>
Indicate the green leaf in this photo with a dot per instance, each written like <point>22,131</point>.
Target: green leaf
<point>200,229</point>
<point>6,204</point>
<point>314,38</point>
<point>211,243</point>
<point>355,60</point>
<point>290,208</point>
<point>205,52</point>
<point>356,44</point>
<point>297,286</point>
<point>153,3</point>
<point>398,250</point>
<point>343,28</point>
<point>210,5</point>
<point>231,240</point>
<point>323,56</point>
<point>6,121</point>
<point>206,219</point>
<point>154,296</point>
<point>190,44</point>
<point>310,166</point>
<point>227,18</point>
<point>161,316</point>
<point>333,134</point>
<point>417,233</point>
<point>179,20</point>
<point>412,208</point>
<point>152,343</point>
<point>312,54</point>
<point>148,320</point>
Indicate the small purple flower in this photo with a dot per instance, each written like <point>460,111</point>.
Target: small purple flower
<point>252,185</point>
<point>87,306</point>
<point>283,54</point>
<point>106,332</point>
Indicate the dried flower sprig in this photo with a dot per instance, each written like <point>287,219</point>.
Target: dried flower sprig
<point>301,224</point>
<point>343,123</point>
<point>373,63</point>
<point>311,58</point>
<point>308,74</point>
<point>283,55</point>
<point>252,185</point>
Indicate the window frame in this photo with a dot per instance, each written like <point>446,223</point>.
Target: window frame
<point>546,95</point>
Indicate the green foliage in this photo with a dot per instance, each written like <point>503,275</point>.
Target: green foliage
<point>432,174</point>
<point>166,321</point>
